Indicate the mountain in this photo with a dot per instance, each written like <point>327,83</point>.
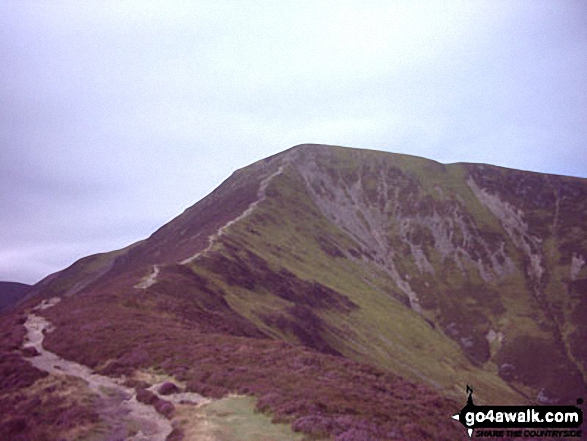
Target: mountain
<point>11,293</point>
<point>352,293</point>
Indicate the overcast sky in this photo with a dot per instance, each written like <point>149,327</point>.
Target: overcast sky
<point>115,116</point>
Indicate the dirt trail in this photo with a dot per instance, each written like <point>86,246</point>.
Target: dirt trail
<point>118,405</point>
<point>261,195</point>
<point>149,280</point>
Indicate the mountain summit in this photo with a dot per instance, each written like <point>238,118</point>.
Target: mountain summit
<point>337,287</point>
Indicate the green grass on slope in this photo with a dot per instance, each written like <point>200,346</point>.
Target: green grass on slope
<point>234,418</point>
<point>83,270</point>
<point>284,230</point>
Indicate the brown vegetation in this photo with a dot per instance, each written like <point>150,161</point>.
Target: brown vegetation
<point>318,394</point>
<point>29,408</point>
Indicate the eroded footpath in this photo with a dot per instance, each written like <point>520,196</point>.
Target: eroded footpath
<point>126,417</point>
<point>232,418</point>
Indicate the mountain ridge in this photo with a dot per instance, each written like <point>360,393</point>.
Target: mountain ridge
<point>249,195</point>
<point>442,274</point>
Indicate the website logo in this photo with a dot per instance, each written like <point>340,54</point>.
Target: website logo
<point>520,421</point>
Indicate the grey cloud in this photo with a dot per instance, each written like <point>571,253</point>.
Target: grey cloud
<point>116,116</point>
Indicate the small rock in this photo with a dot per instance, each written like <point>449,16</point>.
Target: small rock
<point>168,388</point>
<point>146,397</point>
<point>30,351</point>
<point>165,408</point>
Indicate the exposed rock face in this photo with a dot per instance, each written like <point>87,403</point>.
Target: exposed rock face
<point>394,220</point>
<point>442,273</point>
<point>485,236</point>
<point>463,242</point>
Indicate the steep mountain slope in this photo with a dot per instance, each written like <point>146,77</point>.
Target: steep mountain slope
<point>381,282</point>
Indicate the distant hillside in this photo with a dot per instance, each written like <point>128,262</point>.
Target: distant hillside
<point>11,293</point>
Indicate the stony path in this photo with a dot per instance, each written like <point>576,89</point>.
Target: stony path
<point>261,195</point>
<point>118,407</point>
<point>150,280</point>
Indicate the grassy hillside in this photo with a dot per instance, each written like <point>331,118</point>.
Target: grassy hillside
<point>350,294</point>
<point>438,273</point>
<point>269,263</point>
